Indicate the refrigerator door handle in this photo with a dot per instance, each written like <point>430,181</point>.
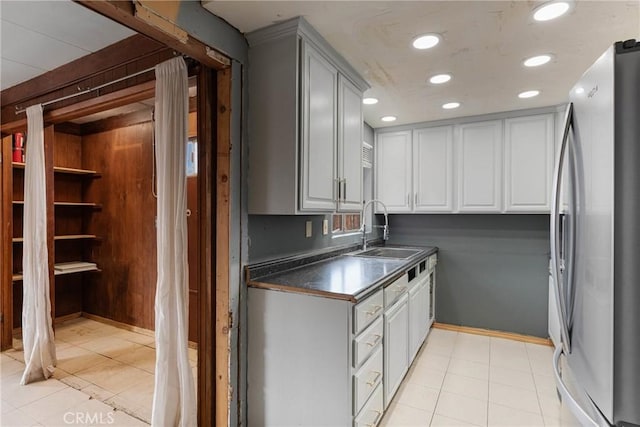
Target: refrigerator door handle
<point>555,237</point>
<point>567,398</point>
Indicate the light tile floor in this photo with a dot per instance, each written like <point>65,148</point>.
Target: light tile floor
<point>460,379</point>
<point>105,376</point>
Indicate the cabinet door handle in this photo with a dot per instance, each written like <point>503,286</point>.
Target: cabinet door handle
<point>377,418</point>
<point>337,182</point>
<point>375,341</point>
<point>408,199</point>
<point>375,380</point>
<point>344,190</point>
<point>376,309</point>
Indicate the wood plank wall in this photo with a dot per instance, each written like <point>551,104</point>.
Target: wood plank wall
<point>126,254</point>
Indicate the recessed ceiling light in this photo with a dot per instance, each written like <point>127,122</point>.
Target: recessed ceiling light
<point>579,90</point>
<point>550,10</point>
<point>388,118</point>
<point>426,41</point>
<point>450,105</point>
<point>529,94</point>
<point>536,61</point>
<point>370,101</point>
<point>440,78</point>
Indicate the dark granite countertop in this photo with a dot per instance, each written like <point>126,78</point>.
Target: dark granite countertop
<point>344,276</point>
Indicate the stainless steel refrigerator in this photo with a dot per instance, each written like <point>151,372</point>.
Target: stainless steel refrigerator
<point>595,243</point>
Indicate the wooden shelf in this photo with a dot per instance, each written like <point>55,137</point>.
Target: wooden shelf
<point>88,267</point>
<point>77,204</point>
<point>76,237</point>
<point>60,169</point>
<point>65,237</point>
<point>73,171</point>
<point>66,204</point>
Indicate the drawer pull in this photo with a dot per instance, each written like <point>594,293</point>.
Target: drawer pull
<point>375,380</point>
<point>375,311</point>
<point>375,421</point>
<point>400,290</point>
<point>375,341</point>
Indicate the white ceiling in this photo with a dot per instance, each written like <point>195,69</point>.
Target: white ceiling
<point>483,46</point>
<point>39,36</point>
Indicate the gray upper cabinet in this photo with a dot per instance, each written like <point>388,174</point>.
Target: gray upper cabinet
<point>349,145</point>
<point>319,124</point>
<point>393,171</point>
<point>305,123</point>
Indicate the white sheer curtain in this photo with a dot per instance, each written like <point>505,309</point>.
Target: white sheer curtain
<point>37,332</point>
<point>174,396</point>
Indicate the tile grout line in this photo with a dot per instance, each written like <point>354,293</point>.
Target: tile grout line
<point>433,414</point>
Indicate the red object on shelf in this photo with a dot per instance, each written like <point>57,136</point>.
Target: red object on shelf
<point>18,147</point>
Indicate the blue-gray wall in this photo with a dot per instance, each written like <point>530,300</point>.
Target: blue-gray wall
<point>492,270</point>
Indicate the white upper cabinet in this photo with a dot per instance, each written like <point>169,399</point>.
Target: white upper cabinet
<point>479,163</point>
<point>433,169</point>
<point>349,146</point>
<point>319,125</point>
<point>305,123</point>
<point>393,170</point>
<point>529,152</point>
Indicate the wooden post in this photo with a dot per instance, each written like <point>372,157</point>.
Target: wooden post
<point>206,199</point>
<point>6,255</point>
<point>223,186</point>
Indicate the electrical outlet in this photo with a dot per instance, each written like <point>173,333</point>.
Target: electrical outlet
<point>325,227</point>
<point>308,230</point>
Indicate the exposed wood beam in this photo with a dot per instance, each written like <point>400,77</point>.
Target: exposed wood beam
<point>126,51</point>
<point>124,12</point>
<point>90,106</point>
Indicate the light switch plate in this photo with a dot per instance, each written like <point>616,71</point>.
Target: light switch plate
<point>325,227</point>
<point>308,230</point>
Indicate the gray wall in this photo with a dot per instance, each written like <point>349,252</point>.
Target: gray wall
<point>492,269</point>
<point>275,236</point>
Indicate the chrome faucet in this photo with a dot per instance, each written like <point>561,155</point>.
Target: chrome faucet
<point>363,228</point>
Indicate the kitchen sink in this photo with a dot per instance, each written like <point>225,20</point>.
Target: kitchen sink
<point>399,253</point>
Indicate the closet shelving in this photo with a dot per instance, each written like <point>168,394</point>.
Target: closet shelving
<point>68,215</point>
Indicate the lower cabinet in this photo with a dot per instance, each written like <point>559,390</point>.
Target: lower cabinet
<point>313,360</point>
<point>396,346</point>
<point>418,315</point>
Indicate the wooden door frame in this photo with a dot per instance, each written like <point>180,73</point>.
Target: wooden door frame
<point>6,261</point>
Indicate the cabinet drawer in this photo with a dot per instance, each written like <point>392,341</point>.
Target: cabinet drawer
<point>371,414</point>
<point>395,290</point>
<point>367,379</point>
<point>367,311</point>
<point>367,341</point>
